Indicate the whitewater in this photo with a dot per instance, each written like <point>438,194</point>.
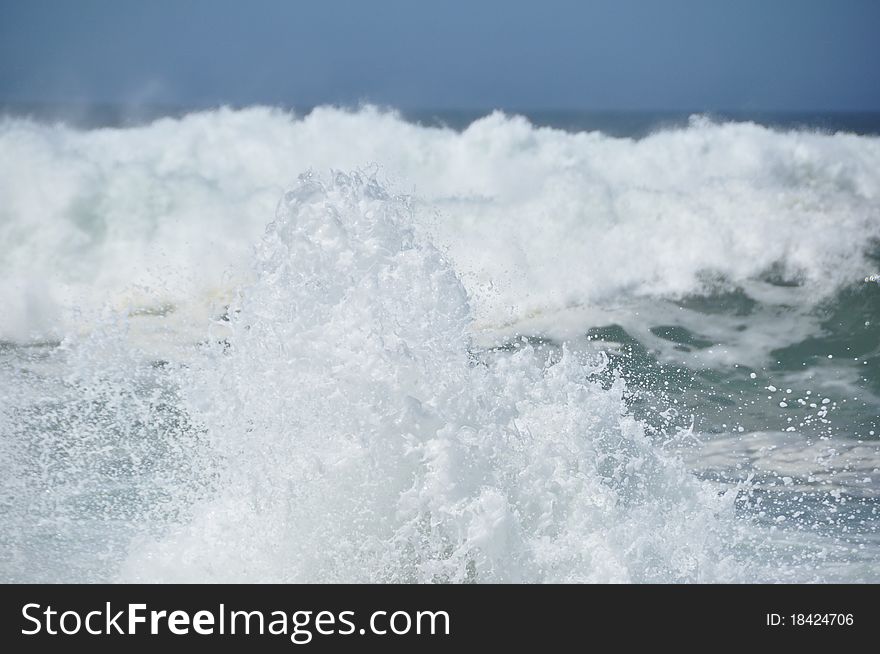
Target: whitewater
<point>249,345</point>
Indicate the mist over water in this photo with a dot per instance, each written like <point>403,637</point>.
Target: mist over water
<point>246,345</point>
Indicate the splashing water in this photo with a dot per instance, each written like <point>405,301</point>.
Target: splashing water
<point>379,398</point>
<point>361,440</point>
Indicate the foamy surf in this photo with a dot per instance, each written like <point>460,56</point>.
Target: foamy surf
<point>524,368</point>
<point>360,440</point>
<point>165,214</point>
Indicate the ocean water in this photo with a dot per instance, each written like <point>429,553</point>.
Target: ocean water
<point>363,345</point>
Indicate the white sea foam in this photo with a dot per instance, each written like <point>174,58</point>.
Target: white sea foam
<point>162,217</point>
<point>342,422</point>
<point>357,439</point>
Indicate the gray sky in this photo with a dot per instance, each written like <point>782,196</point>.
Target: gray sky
<point>413,54</point>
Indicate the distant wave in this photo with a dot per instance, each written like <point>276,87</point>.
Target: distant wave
<point>160,219</point>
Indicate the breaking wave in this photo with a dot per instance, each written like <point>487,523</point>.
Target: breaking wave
<point>494,357</point>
